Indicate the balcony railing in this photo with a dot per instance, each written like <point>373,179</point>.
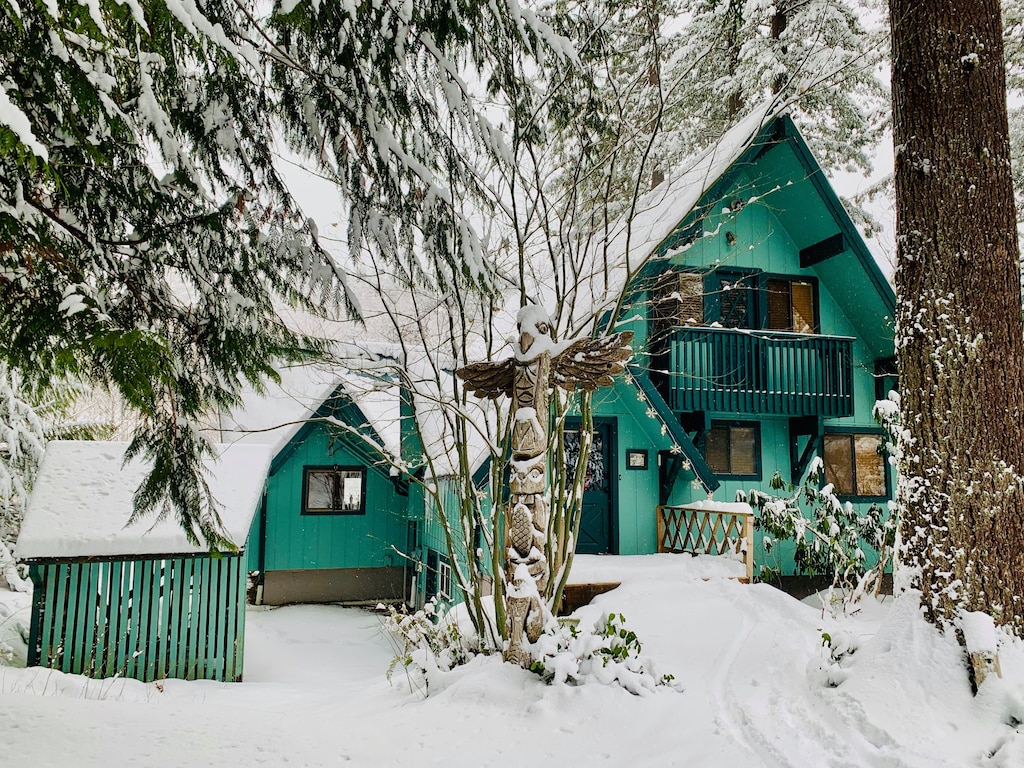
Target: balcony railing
<point>766,372</point>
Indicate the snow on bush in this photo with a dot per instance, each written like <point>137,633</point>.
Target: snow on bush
<point>609,653</point>
<point>833,540</point>
<point>14,628</point>
<point>428,644</point>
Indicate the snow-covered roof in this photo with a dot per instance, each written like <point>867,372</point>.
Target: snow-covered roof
<point>375,376</point>
<point>82,499</point>
<point>636,236</point>
<point>359,371</point>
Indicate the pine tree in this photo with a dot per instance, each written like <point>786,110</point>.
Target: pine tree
<point>1013,40</point>
<point>960,341</point>
<point>816,54</point>
<point>146,235</point>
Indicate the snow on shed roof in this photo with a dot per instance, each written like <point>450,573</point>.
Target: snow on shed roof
<point>359,371</point>
<point>82,499</point>
<point>372,375</point>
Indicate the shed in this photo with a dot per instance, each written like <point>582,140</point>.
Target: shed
<point>137,600</point>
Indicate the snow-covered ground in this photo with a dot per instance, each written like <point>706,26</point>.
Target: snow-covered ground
<point>754,673</point>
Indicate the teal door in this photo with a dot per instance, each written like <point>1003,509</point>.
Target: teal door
<point>597,531</point>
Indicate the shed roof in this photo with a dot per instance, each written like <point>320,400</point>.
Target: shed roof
<point>374,377</point>
<point>83,497</point>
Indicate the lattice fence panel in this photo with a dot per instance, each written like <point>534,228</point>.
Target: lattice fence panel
<point>703,531</point>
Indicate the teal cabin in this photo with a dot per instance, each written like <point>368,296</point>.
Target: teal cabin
<point>764,336</point>
<point>141,600</point>
<point>340,521</point>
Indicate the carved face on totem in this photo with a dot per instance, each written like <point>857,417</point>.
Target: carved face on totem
<point>534,327</point>
<point>528,476</point>
<point>526,338</point>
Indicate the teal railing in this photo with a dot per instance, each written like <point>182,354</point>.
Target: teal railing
<point>763,372</point>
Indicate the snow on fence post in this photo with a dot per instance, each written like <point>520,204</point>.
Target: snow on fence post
<point>135,601</point>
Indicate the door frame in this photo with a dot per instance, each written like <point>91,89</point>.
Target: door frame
<point>573,424</point>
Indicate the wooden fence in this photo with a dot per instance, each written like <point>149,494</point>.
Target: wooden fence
<point>146,619</point>
<point>702,531</point>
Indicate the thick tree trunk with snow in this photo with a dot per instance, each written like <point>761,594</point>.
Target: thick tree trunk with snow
<point>959,334</point>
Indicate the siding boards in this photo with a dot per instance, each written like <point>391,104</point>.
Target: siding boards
<point>296,541</point>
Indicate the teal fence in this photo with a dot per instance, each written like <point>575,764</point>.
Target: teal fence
<point>763,372</point>
<point>146,619</point>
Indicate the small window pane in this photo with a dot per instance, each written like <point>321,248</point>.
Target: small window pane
<point>319,490</point>
<point>839,463</point>
<point>351,491</point>
<point>444,579</point>
<point>803,307</point>
<point>743,450</point>
<point>870,466</point>
<point>716,450</point>
<point>732,450</point>
<point>778,305</point>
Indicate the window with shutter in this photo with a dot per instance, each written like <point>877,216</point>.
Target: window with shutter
<point>734,301</point>
<point>691,299</point>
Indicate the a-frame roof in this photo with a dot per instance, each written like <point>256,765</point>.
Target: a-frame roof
<point>765,150</point>
<point>777,166</point>
<point>764,156</point>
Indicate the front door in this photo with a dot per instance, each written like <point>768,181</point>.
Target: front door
<point>596,531</point>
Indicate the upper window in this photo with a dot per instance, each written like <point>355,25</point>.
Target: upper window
<point>854,465</point>
<point>733,449</point>
<point>735,296</point>
<point>334,491</point>
<point>790,306</point>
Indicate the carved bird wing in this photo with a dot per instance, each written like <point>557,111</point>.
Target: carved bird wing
<point>488,379</point>
<point>591,363</point>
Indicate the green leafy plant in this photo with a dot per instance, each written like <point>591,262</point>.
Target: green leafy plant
<point>833,540</point>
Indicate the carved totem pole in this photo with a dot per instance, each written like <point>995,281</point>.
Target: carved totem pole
<point>539,364</point>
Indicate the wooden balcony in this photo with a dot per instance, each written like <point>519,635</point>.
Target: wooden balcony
<point>760,372</point>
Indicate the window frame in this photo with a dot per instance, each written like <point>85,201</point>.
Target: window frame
<point>852,433</point>
<point>444,578</point>
<point>730,425</point>
<point>756,281</point>
<point>765,296</point>
<point>336,469</point>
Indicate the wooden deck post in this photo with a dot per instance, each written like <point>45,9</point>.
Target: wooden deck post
<point>748,554</point>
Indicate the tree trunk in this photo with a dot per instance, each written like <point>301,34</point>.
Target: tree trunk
<point>733,43</point>
<point>959,334</point>
<point>779,22</point>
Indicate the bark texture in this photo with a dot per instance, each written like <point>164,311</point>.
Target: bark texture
<point>959,331</point>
